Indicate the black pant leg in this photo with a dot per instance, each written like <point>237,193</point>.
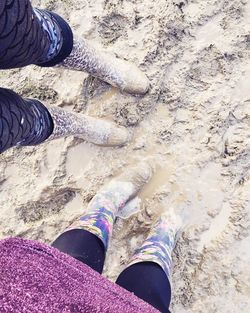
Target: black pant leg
<point>147,281</point>
<point>83,246</point>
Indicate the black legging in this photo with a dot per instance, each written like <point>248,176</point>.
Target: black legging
<point>24,41</point>
<point>146,280</point>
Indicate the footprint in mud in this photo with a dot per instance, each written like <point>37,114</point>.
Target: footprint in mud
<point>44,93</point>
<point>236,140</point>
<point>111,27</point>
<point>210,63</point>
<point>50,204</point>
<point>92,87</point>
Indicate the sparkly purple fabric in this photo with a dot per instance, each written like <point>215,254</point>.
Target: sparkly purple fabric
<point>37,278</point>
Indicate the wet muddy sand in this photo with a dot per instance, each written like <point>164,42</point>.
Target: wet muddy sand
<point>194,125</point>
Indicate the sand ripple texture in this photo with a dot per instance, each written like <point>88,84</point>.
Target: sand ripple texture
<point>194,123</point>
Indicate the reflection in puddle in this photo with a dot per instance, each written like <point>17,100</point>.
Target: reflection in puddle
<point>160,178</point>
<point>78,159</point>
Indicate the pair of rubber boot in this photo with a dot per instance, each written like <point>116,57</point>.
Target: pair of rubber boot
<point>103,209</point>
<point>119,73</point>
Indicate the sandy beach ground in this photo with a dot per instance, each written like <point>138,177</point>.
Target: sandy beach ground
<point>194,124</point>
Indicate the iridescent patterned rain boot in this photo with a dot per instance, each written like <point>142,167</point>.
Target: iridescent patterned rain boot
<point>159,245</point>
<point>97,131</point>
<point>119,73</point>
<point>103,208</point>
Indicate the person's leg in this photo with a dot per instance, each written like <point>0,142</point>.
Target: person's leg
<point>96,225</point>
<point>22,121</point>
<point>83,246</point>
<point>149,271</point>
<point>25,122</point>
<point>34,36</point>
<point>147,281</point>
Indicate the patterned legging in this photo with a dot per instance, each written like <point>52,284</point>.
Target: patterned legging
<point>31,36</point>
<point>28,36</point>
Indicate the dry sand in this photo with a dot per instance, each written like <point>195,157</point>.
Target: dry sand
<point>194,123</point>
